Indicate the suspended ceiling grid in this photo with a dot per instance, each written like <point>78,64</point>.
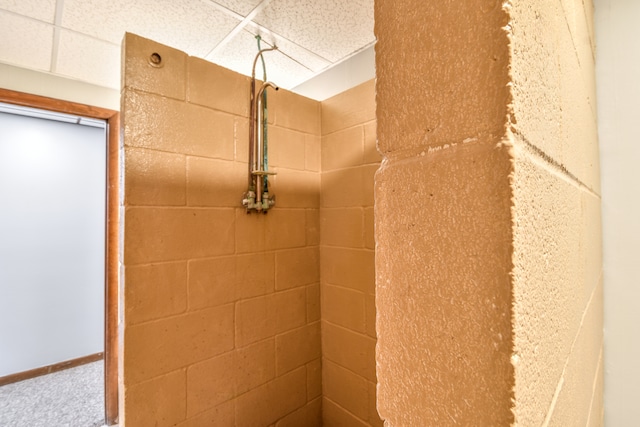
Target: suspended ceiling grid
<point>80,39</point>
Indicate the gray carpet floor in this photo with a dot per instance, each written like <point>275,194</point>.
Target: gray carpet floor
<point>70,398</point>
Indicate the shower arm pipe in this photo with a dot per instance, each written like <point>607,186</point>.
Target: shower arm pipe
<point>252,117</point>
<point>255,61</point>
<point>259,171</point>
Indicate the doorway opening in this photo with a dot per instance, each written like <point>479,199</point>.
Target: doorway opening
<point>110,254</point>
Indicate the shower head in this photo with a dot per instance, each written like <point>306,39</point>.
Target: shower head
<point>264,87</point>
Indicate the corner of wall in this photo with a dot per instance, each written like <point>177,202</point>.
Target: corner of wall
<point>349,160</point>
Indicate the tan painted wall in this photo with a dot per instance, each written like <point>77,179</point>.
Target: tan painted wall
<point>487,214</point>
<point>557,234</point>
<point>443,214</point>
<point>221,309</point>
<point>349,161</point>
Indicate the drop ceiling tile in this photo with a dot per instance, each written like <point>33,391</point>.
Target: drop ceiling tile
<point>242,7</point>
<point>43,10</point>
<point>88,59</point>
<point>239,53</point>
<point>285,72</point>
<point>25,42</point>
<point>333,29</point>
<point>310,60</point>
<point>193,26</point>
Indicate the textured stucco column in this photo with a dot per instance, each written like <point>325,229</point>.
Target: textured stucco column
<point>487,214</point>
<point>443,197</point>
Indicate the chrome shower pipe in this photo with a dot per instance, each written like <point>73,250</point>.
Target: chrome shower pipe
<point>259,171</point>
<point>252,116</point>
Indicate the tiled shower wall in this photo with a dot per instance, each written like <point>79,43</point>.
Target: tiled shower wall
<point>221,309</point>
<point>349,161</point>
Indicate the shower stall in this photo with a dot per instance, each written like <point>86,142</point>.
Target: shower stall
<point>233,318</point>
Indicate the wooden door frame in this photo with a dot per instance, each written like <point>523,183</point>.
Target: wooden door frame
<point>111,232</point>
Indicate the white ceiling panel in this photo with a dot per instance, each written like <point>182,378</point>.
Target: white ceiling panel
<point>25,42</point>
<point>333,29</point>
<point>85,58</point>
<point>239,53</point>
<point>193,26</point>
<point>43,10</point>
<point>290,49</point>
<point>82,37</point>
<point>242,7</point>
<point>285,72</point>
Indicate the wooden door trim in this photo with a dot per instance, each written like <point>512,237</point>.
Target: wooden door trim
<point>112,227</point>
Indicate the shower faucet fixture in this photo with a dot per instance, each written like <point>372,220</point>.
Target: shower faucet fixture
<point>257,197</point>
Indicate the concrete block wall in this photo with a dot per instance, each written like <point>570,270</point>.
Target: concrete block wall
<point>487,214</point>
<point>443,214</point>
<point>221,322</point>
<point>557,233</point>
<point>349,161</point>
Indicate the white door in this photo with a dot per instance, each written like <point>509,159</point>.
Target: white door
<point>52,238</point>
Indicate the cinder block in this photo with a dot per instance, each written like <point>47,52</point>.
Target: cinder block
<point>343,149</point>
<point>270,402</point>
<point>343,188</point>
<point>255,365</point>
<point>296,112</point>
<point>312,153</point>
<point>159,234</point>
<point>309,415</point>
<point>174,126</point>
<point>297,267</point>
<point>342,227</point>
<point>351,268</point>
<point>313,303</point>
<point>349,349</point>
<point>286,148</point>
<point>212,282</point>
<point>154,291</point>
<point>255,274</point>
<point>295,189</point>
<point>241,140</point>
<point>210,383</point>
<point>443,262</point>
<point>161,400</point>
<point>349,108</point>
<point>285,229</point>
<point>345,388</point>
<point>223,415</point>
<point>154,178</point>
<point>217,87</point>
<point>314,379</point>
<point>216,183</point>
<point>139,74</point>
<point>344,307</point>
<point>263,317</point>
<point>312,226</point>
<point>155,348</point>
<point>335,415</point>
<point>297,347</point>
